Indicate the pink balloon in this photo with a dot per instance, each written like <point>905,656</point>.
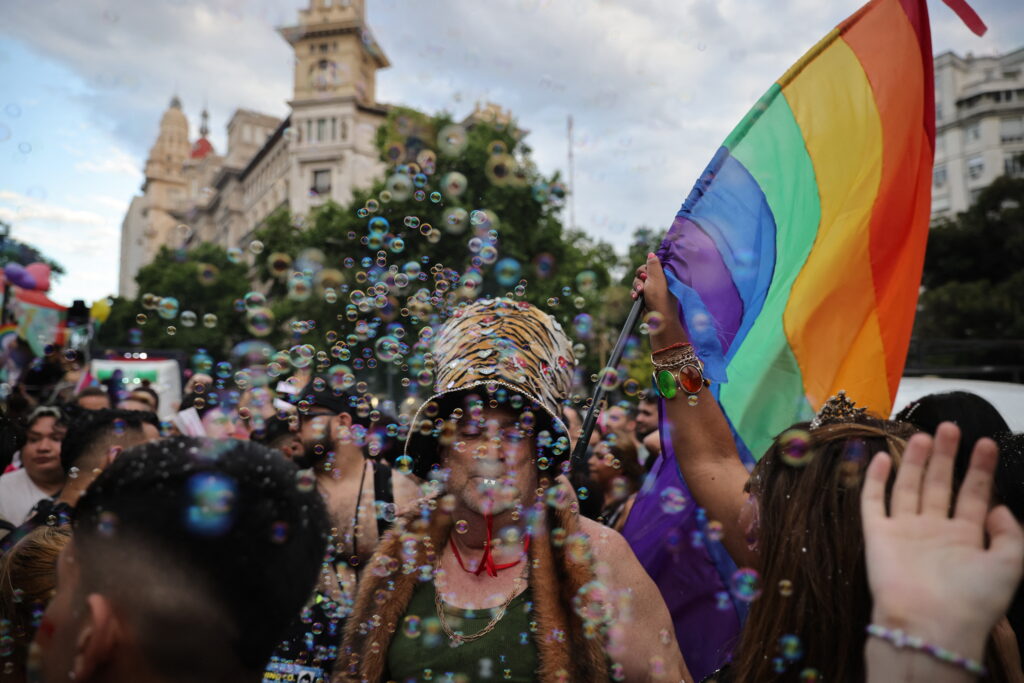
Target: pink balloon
<point>40,272</point>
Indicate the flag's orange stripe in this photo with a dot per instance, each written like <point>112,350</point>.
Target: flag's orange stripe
<point>831,320</point>
<point>886,45</point>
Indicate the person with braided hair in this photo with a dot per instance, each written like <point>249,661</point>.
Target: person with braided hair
<point>496,574</point>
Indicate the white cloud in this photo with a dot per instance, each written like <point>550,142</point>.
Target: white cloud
<point>113,161</point>
<point>17,208</point>
<point>118,205</point>
<point>83,241</point>
<point>654,86</point>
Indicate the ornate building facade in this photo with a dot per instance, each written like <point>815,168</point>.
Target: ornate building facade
<point>322,150</point>
<point>979,131</point>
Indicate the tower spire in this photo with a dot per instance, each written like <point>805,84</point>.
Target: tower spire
<point>204,126</point>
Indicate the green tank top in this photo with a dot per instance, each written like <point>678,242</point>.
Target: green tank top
<point>420,650</point>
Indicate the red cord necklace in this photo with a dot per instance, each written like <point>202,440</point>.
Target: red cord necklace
<point>487,561</point>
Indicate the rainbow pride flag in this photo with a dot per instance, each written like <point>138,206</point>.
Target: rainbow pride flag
<point>797,256</point>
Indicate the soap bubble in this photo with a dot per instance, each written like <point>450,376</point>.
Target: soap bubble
<point>341,377</point>
<point>745,584</point>
<point>301,355</point>
<point>672,500</point>
<point>790,647</point>
<point>168,308</point>
<point>411,626</point>
<point>507,272</point>
<point>260,322</point>
<point>794,447</point>
<point>255,300</point>
<point>452,139</point>
<point>387,348</point>
<point>211,500</point>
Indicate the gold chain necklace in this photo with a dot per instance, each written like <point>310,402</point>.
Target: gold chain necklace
<point>459,638</point>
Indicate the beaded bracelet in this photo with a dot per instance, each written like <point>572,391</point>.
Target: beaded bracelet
<point>900,640</point>
<point>677,345</point>
<point>662,360</point>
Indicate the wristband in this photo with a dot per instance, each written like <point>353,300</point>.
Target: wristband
<point>901,640</point>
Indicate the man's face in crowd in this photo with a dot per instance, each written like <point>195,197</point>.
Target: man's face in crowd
<point>646,418</point>
<point>573,422</point>
<point>135,404</point>
<point>602,465</point>
<point>315,432</point>
<point>144,397</point>
<point>41,452</point>
<point>490,461</point>
<point>221,423</point>
<point>618,420</point>
<point>95,402</point>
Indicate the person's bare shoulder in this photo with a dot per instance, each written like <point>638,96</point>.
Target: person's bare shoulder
<point>654,636</point>
<point>406,490</point>
<point>607,544</point>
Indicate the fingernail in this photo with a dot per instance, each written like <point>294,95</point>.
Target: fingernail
<point>643,276</point>
<point>650,254</point>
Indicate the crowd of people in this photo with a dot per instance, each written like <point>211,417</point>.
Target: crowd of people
<point>289,536</point>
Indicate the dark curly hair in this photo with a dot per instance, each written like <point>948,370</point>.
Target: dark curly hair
<point>211,547</point>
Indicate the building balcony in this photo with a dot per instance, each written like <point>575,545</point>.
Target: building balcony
<point>970,109</point>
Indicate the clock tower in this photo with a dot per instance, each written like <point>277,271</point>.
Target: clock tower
<point>336,55</point>
<point>334,111</point>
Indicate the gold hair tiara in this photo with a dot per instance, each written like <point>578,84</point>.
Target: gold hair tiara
<point>837,409</point>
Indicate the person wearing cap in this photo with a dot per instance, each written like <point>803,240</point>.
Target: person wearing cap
<point>361,497</point>
<point>361,494</point>
<point>41,474</point>
<point>496,575</point>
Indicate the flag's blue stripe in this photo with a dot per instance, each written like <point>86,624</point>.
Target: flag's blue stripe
<point>733,212</point>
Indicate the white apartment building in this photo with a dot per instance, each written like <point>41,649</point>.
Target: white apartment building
<point>979,133</point>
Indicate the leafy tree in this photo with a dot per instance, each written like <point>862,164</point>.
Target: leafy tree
<point>972,280</point>
<point>204,281</point>
<point>462,212</point>
<point>360,284</point>
<point>645,240</point>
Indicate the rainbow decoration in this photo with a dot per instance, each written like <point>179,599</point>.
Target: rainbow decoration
<point>797,256</point>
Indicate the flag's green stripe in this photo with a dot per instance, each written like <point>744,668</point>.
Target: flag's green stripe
<point>768,142</point>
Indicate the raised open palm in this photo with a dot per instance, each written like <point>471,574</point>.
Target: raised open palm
<point>932,573</point>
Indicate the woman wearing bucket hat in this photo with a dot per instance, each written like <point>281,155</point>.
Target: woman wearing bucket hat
<point>497,575</point>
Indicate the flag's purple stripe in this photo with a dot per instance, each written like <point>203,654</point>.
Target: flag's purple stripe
<point>698,321</point>
<point>697,262</point>
<point>725,220</point>
<point>690,575</point>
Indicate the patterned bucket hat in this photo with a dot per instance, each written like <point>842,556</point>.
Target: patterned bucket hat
<point>493,344</point>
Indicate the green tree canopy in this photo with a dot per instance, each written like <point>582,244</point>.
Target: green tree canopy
<point>973,277</point>
<point>462,212</point>
<point>180,290</point>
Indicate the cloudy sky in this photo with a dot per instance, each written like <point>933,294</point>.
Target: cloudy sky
<point>653,85</point>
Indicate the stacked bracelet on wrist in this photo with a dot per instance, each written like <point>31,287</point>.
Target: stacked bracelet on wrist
<point>900,640</point>
<point>676,368</point>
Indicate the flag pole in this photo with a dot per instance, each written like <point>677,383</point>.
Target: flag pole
<point>599,391</point>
